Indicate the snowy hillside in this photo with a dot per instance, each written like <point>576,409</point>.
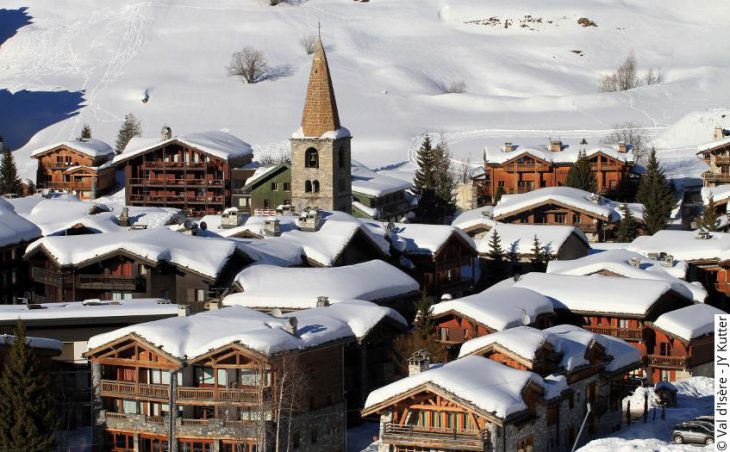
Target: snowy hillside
<point>66,62</point>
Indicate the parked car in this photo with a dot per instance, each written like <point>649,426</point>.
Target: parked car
<point>705,420</point>
<point>693,432</point>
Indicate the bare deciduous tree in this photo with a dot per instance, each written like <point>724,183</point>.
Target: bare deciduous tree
<point>654,76</point>
<point>249,64</point>
<point>456,87</point>
<point>463,171</point>
<point>625,78</point>
<point>631,134</point>
<point>309,43</point>
<point>292,386</point>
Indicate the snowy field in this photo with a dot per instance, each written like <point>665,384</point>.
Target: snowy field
<point>694,399</point>
<point>66,62</point>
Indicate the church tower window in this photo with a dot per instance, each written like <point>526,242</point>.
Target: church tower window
<point>311,158</point>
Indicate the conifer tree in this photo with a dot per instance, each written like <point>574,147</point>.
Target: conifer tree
<point>9,180</point>
<point>581,175</point>
<point>496,264</point>
<point>709,217</point>
<point>445,181</point>
<point>27,420</point>
<point>627,228</point>
<point>433,183</point>
<point>656,195</point>
<point>86,132</point>
<point>424,323</point>
<point>131,128</point>
<point>498,194</point>
<point>538,251</point>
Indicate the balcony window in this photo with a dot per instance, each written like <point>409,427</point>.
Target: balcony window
<point>204,376</point>
<point>129,407</point>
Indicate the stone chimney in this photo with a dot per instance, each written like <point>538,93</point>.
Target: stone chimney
<point>622,147</point>
<point>719,133</point>
<point>165,133</point>
<point>668,260</point>
<point>419,362</point>
<point>323,302</point>
<point>595,198</point>
<point>556,145</point>
<point>183,310</point>
<point>124,217</point>
<point>214,305</point>
<point>310,220</point>
<point>635,261</point>
<point>291,326</point>
<point>508,146</point>
<point>272,227</point>
<point>230,218</point>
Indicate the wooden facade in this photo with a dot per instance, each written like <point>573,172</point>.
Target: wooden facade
<point>717,156</point>
<point>454,328</point>
<point>14,273</point>
<point>388,207</point>
<point>266,193</point>
<point>671,358</point>
<point>120,275</point>
<point>66,169</point>
<point>227,399</point>
<point>175,174</point>
<point>450,269</point>
<point>526,172</point>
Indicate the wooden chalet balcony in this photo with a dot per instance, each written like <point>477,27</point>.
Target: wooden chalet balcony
<point>197,182</point>
<point>109,282</point>
<point>433,437</point>
<point>527,167</point>
<point>50,278</point>
<point>183,426</point>
<point>629,334</point>
<point>185,394</point>
<point>722,160</point>
<point>676,362</point>
<point>587,227</point>
<point>190,395</point>
<point>111,388</point>
<point>174,165</point>
<point>171,199</point>
<point>612,166</point>
<point>67,186</point>
<point>715,177</point>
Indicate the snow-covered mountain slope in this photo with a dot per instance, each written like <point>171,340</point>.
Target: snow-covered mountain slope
<point>66,62</point>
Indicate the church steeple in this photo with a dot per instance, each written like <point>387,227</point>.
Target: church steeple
<point>320,108</point>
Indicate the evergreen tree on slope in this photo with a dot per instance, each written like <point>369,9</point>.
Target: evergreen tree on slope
<point>9,180</point>
<point>656,195</point>
<point>709,218</point>
<point>27,420</point>
<point>424,182</point>
<point>581,175</point>
<point>627,228</point>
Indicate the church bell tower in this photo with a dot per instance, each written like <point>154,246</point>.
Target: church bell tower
<point>320,149</point>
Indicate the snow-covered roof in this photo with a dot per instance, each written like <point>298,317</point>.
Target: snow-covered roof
<point>369,183</point>
<point>206,256</point>
<point>488,385</point>
<point>499,308</point>
<point>568,196</point>
<point>713,144</point>
<point>91,148</point>
<point>273,252</point>
<point>15,229</point>
<point>689,322</point>
<point>425,238</point>
<point>34,342</point>
<point>684,245</point>
<point>58,214</point>
<point>475,217</point>
<point>89,309</point>
<point>253,224</point>
<point>569,155</point>
<point>570,341</point>
<point>219,144</point>
<point>195,335</point>
<point>719,194</point>
<point>261,172</point>
<point>630,265</point>
<point>268,286</point>
<point>523,341</point>
<point>596,293</point>
<point>522,236</point>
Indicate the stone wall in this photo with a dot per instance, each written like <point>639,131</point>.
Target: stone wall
<point>335,180</point>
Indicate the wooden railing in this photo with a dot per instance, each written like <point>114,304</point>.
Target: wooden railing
<point>123,388</point>
<point>188,394</point>
<point>536,167</point>
<point>434,437</point>
<point>632,334</point>
<point>194,422</point>
<point>174,165</point>
<point>51,278</point>
<point>66,186</point>
<point>719,177</point>
<point>108,282</point>
<point>667,361</point>
<point>217,183</point>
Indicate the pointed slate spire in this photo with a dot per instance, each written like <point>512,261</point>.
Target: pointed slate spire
<point>320,108</point>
